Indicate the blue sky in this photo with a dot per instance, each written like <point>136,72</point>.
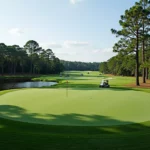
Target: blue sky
<point>77,30</point>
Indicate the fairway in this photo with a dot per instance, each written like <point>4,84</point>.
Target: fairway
<point>84,107</point>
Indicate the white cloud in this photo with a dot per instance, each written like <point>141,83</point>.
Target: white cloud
<point>87,54</point>
<point>96,51</point>
<point>66,53</point>
<point>16,31</point>
<point>51,45</point>
<point>75,1</point>
<point>103,54</point>
<point>105,50</point>
<point>64,45</point>
<point>74,44</point>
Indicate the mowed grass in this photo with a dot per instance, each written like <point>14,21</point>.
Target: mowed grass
<point>85,104</point>
<point>103,107</point>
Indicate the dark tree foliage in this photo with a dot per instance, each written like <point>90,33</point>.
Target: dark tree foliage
<point>103,68</point>
<point>81,66</point>
<point>30,59</point>
<point>134,33</point>
<point>119,65</point>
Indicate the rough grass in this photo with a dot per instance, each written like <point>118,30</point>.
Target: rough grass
<point>16,135</point>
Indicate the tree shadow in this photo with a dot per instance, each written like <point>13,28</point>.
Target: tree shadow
<point>68,122</point>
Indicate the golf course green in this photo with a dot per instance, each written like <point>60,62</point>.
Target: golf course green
<point>76,114</point>
<point>85,107</point>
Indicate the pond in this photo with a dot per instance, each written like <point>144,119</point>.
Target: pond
<point>31,84</point>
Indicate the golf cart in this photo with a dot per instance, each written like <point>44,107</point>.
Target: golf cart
<point>104,83</point>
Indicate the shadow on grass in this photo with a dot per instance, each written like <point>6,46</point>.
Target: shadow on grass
<point>72,123</point>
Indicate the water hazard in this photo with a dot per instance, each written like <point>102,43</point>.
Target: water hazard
<point>31,84</point>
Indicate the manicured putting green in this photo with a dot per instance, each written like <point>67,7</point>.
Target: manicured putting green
<point>102,107</point>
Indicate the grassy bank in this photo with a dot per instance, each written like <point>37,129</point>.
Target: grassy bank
<point>16,135</point>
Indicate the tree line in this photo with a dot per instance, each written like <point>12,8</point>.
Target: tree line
<point>133,47</point>
<point>30,59</point>
<point>81,66</point>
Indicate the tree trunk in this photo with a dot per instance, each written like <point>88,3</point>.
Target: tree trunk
<point>143,49</point>
<point>137,59</point>
<point>143,61</point>
<point>147,74</point>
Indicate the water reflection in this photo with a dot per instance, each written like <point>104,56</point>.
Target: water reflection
<point>26,85</point>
